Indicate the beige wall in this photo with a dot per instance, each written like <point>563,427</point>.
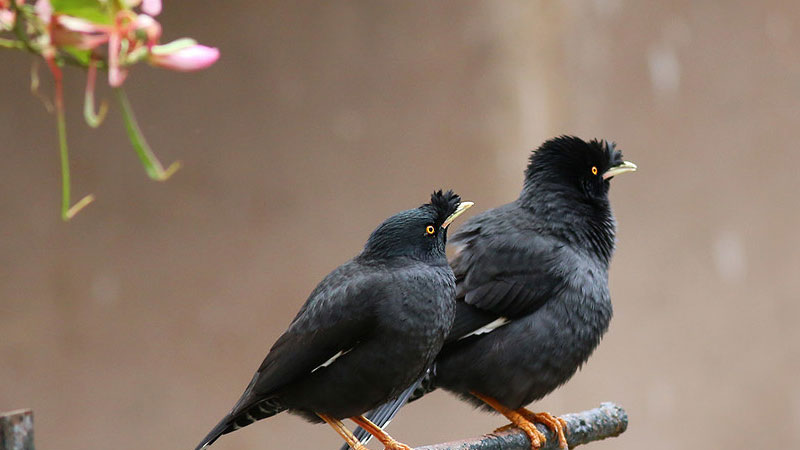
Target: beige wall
<point>138,324</point>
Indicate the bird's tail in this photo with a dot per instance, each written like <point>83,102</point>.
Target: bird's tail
<point>220,429</point>
<point>242,417</point>
<point>382,415</point>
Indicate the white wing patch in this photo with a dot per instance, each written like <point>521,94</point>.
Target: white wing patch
<point>488,328</point>
<point>332,359</point>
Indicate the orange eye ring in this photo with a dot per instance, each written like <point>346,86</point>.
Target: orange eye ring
<point>430,229</point>
<point>594,170</point>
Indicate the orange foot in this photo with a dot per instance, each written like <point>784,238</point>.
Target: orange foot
<point>339,427</point>
<point>537,438</point>
<point>388,442</point>
<point>556,424</point>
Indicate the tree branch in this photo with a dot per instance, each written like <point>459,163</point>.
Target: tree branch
<point>16,430</point>
<point>609,420</point>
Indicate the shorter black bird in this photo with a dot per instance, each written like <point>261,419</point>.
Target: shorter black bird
<point>532,299</point>
<point>369,330</point>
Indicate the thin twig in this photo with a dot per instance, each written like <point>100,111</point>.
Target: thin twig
<point>609,420</point>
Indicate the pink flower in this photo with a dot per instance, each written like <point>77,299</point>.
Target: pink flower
<point>68,30</point>
<point>151,28</point>
<point>131,37</point>
<point>44,10</point>
<point>7,16</point>
<point>6,19</point>
<point>119,31</point>
<point>151,7</point>
<point>183,55</point>
<point>116,74</point>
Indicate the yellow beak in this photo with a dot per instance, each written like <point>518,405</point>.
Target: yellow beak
<point>626,166</point>
<point>463,206</point>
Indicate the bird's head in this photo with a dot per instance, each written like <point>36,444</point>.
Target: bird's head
<point>420,232</point>
<point>573,165</point>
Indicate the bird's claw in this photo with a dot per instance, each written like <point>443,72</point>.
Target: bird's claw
<point>396,446</point>
<point>537,438</point>
<point>556,424</point>
<point>388,442</point>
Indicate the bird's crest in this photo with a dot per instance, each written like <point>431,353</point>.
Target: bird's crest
<point>610,149</point>
<point>443,204</point>
<point>569,151</point>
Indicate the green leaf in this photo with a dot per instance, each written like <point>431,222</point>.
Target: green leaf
<point>91,10</point>
<point>81,55</point>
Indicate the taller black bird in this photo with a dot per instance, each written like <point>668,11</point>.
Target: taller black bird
<point>532,287</point>
<point>369,330</point>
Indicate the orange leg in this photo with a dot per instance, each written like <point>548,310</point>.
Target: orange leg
<point>379,434</point>
<point>537,438</point>
<point>557,424</point>
<point>339,427</point>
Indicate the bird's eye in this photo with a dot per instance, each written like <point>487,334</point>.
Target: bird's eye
<point>430,230</point>
<point>594,170</point>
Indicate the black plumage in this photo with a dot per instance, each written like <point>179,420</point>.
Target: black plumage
<point>369,330</point>
<point>532,286</point>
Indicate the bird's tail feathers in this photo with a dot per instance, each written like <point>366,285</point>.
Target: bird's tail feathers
<point>242,418</point>
<point>215,433</point>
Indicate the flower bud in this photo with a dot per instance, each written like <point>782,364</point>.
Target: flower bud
<point>183,55</point>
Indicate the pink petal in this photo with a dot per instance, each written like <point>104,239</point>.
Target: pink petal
<point>116,76</point>
<point>44,10</point>
<point>150,26</point>
<point>188,59</point>
<point>67,30</point>
<point>6,19</point>
<point>92,42</point>
<point>80,25</point>
<point>152,7</point>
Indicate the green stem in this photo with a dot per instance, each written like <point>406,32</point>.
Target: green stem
<point>94,119</point>
<point>19,30</point>
<point>11,43</point>
<point>152,165</point>
<point>64,150</point>
<point>67,212</point>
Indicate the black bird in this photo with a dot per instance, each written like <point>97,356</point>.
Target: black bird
<point>532,299</point>
<point>369,330</point>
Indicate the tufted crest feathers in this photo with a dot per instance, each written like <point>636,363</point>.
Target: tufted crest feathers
<point>444,204</point>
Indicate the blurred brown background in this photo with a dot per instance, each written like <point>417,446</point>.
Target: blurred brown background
<point>138,324</point>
